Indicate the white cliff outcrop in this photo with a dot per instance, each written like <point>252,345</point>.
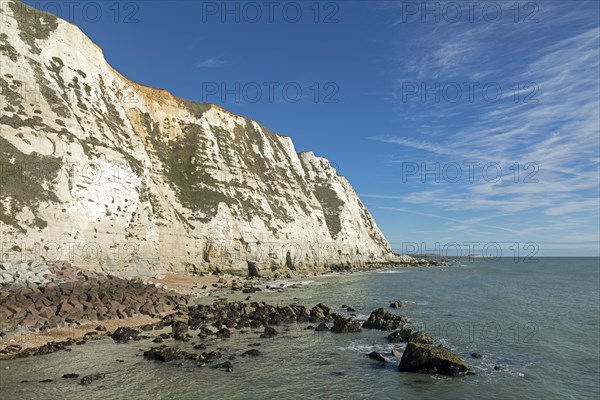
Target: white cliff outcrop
<point>115,176</point>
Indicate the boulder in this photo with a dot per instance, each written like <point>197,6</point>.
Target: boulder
<point>421,337</point>
<point>384,320</point>
<point>124,334</point>
<point>268,333</point>
<point>429,359</point>
<point>396,304</point>
<point>252,353</point>
<point>225,365</point>
<point>376,356</point>
<point>400,336</point>
<point>322,327</point>
<point>345,325</point>
<point>180,328</point>
<point>166,354</point>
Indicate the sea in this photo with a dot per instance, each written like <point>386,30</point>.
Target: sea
<point>535,325</point>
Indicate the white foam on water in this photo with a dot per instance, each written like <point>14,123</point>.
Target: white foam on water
<point>391,271</point>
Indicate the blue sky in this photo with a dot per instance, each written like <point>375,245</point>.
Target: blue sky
<point>429,109</point>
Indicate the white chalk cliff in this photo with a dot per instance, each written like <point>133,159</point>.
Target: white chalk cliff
<point>112,175</point>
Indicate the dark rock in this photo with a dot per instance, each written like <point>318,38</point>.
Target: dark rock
<point>124,334</point>
<point>322,327</point>
<point>376,356</point>
<point>225,365</point>
<point>180,328</point>
<point>86,380</point>
<point>70,376</point>
<point>252,353</point>
<point>475,355</point>
<point>158,339</point>
<point>497,368</point>
<point>396,304</point>
<point>224,333</point>
<point>406,335</point>
<point>211,355</point>
<point>429,359</point>
<point>421,337</point>
<point>166,354</point>
<point>45,380</point>
<point>384,320</point>
<point>401,336</point>
<point>345,325</point>
<point>101,328</point>
<point>92,336</point>
<point>268,333</point>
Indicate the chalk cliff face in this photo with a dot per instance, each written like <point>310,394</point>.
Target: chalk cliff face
<point>113,175</point>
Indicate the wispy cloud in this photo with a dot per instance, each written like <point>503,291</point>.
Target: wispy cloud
<point>558,130</point>
<point>213,62</point>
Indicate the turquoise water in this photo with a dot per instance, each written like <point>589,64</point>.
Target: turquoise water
<point>539,322</point>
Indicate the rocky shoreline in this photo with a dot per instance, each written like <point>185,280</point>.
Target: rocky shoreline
<point>44,300</point>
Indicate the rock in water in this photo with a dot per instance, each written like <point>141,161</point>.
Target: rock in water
<point>400,336</point>
<point>384,320</point>
<point>86,380</point>
<point>322,327</point>
<point>268,333</point>
<point>125,334</point>
<point>166,354</point>
<point>376,356</point>
<point>429,359</point>
<point>421,337</point>
<point>396,304</point>
<point>345,325</point>
<point>180,328</point>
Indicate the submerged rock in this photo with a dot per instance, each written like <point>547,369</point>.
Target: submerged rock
<point>429,359</point>
<point>252,353</point>
<point>86,380</point>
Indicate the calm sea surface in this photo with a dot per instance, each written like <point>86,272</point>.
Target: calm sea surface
<point>539,322</point>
